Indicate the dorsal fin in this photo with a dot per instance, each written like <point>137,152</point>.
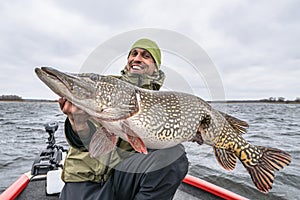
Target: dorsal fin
<point>238,125</point>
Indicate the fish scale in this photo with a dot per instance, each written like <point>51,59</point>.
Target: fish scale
<point>156,120</point>
<point>168,123</point>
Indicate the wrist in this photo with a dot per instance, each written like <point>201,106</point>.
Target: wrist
<point>77,140</point>
<point>82,129</point>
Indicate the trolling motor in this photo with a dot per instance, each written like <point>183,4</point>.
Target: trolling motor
<point>49,159</point>
<point>50,129</point>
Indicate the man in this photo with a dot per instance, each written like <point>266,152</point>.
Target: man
<point>123,173</point>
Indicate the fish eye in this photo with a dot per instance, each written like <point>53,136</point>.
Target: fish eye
<point>94,77</point>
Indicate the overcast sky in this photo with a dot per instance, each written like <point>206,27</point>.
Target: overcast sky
<point>254,45</point>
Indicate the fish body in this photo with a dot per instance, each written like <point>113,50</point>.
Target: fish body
<point>162,119</point>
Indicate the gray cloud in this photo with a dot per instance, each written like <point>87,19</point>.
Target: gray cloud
<point>255,46</point>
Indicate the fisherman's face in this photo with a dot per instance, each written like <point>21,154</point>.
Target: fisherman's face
<point>140,61</point>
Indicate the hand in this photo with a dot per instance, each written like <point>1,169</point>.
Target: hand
<point>77,117</point>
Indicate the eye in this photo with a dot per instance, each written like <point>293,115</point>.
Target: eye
<point>146,55</point>
<point>94,77</point>
<point>134,53</point>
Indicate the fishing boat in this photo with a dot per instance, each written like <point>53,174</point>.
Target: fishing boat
<point>43,181</point>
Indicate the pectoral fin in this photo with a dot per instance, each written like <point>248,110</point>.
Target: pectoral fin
<point>102,142</point>
<point>137,143</point>
<point>117,113</point>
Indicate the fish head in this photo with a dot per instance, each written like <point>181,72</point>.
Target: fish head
<point>80,89</point>
<point>103,97</point>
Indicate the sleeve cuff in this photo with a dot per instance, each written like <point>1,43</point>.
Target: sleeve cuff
<point>74,139</point>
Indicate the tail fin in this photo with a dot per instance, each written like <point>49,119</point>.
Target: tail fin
<point>262,174</point>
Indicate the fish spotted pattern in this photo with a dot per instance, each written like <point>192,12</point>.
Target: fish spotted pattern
<point>152,119</point>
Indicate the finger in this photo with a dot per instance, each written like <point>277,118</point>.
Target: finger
<point>66,106</point>
<point>69,108</point>
<point>62,102</point>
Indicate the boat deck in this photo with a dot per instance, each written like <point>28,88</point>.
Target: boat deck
<point>36,190</point>
<point>188,192</point>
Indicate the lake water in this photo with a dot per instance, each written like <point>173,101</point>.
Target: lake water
<point>22,137</point>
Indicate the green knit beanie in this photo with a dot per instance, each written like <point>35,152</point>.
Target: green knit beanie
<point>151,47</point>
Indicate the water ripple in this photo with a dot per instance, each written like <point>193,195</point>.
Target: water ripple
<point>22,137</point>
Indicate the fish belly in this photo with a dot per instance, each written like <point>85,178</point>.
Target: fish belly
<point>136,129</point>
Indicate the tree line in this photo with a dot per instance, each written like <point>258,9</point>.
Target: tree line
<point>270,99</point>
<point>11,97</point>
<point>279,99</point>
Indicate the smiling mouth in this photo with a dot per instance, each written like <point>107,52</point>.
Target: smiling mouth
<point>137,69</point>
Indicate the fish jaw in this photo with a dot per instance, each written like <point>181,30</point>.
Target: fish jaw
<point>80,89</point>
<point>52,81</point>
<point>103,97</point>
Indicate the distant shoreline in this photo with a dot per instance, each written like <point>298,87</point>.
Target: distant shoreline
<point>27,100</point>
<point>225,101</point>
<point>255,101</point>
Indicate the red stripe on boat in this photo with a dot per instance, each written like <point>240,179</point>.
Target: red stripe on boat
<point>211,188</point>
<point>15,189</point>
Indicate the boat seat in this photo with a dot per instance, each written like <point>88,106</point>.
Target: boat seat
<point>54,183</point>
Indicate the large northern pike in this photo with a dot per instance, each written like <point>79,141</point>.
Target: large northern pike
<point>159,119</point>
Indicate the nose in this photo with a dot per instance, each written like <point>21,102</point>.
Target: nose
<point>137,58</point>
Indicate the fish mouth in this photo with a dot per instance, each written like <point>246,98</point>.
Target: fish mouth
<point>76,88</point>
<point>48,71</point>
<point>49,75</point>
<point>82,90</point>
<point>71,86</point>
<point>51,78</point>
